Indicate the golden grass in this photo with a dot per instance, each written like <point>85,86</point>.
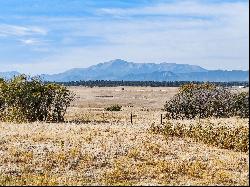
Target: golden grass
<point>234,137</point>
<point>89,151</point>
<point>112,154</point>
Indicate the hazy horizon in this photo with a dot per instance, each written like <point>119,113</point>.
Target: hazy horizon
<point>34,74</point>
<point>46,37</point>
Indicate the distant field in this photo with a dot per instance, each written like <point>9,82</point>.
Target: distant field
<point>98,147</point>
<point>150,97</point>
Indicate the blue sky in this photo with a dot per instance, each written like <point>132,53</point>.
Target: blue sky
<point>51,36</point>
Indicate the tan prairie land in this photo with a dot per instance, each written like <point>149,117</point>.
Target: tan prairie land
<point>98,147</point>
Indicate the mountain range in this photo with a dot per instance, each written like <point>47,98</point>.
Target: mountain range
<point>9,74</point>
<point>128,71</point>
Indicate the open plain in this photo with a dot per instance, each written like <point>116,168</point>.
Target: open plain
<point>98,147</point>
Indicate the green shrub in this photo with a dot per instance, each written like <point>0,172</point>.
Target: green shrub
<point>206,100</point>
<point>2,84</point>
<point>115,107</point>
<point>27,100</point>
<point>240,104</point>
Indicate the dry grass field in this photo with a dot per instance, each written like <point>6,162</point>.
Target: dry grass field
<point>97,147</point>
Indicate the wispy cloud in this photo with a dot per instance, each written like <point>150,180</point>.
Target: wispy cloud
<point>213,34</point>
<point>34,42</point>
<point>181,9</point>
<point>16,30</point>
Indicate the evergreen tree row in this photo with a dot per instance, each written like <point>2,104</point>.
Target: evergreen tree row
<point>109,83</point>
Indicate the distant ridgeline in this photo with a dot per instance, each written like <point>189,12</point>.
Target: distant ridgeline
<point>140,74</point>
<point>108,83</point>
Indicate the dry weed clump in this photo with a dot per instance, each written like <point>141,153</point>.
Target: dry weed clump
<point>226,137</point>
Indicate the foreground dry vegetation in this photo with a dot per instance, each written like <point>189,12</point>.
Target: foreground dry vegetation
<point>97,147</point>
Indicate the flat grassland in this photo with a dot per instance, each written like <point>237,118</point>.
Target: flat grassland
<point>98,147</point>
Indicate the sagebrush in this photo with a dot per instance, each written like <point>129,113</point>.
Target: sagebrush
<point>206,100</point>
<point>115,107</point>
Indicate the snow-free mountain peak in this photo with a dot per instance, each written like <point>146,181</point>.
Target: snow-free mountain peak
<point>119,69</point>
<point>9,74</point>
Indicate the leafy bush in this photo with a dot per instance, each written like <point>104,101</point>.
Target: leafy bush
<point>240,104</point>
<point>2,84</point>
<point>206,100</point>
<point>115,107</point>
<point>28,100</point>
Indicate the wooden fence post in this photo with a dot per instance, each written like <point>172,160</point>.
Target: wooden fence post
<point>131,118</point>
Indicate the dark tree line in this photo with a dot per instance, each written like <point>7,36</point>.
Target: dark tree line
<point>108,83</point>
